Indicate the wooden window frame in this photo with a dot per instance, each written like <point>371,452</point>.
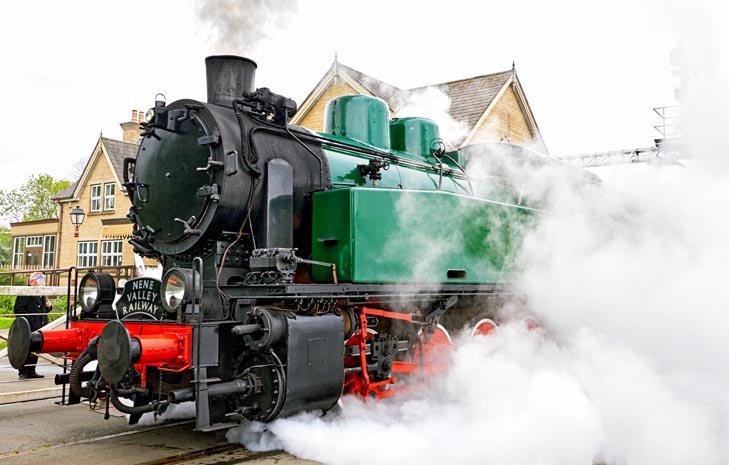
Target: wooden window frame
<point>111,257</point>
<point>18,255</point>
<point>109,198</point>
<point>88,258</point>
<point>37,241</point>
<point>95,199</point>
<point>49,251</point>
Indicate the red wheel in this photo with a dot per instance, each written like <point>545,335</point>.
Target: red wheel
<point>531,323</point>
<point>483,328</point>
<point>440,336</point>
<point>436,348</point>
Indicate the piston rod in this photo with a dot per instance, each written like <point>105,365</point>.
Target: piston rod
<point>242,330</point>
<point>238,386</point>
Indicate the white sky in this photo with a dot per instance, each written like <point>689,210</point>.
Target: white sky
<point>592,71</point>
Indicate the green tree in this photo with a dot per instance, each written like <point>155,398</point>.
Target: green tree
<point>6,246</point>
<point>32,200</point>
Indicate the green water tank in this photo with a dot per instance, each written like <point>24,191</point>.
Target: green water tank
<point>414,136</point>
<point>359,117</point>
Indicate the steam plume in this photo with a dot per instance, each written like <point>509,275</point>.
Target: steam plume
<point>432,103</point>
<point>631,290</point>
<point>237,26</point>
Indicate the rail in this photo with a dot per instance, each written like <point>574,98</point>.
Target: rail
<point>59,277</point>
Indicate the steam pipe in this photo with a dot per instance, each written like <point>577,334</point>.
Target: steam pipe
<point>76,375</point>
<point>119,405</point>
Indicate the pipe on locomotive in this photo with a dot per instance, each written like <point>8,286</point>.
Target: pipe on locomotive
<point>77,372</point>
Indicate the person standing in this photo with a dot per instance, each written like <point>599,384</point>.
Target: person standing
<point>34,309</point>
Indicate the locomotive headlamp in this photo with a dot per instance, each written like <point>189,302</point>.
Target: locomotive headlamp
<point>96,290</point>
<point>177,288</point>
<point>149,115</point>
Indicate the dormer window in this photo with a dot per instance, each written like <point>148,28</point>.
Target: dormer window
<point>109,195</point>
<point>95,198</point>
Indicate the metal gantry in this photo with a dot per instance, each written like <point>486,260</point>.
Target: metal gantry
<point>665,152</point>
<point>668,150</point>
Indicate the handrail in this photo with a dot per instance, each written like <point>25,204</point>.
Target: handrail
<point>54,275</point>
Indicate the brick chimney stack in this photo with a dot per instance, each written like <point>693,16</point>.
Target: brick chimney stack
<point>132,129</point>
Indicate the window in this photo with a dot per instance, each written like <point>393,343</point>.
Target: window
<point>32,257</point>
<point>109,196</point>
<point>88,252</point>
<point>96,197</point>
<point>111,253</point>
<point>18,251</point>
<point>49,251</point>
<point>33,241</point>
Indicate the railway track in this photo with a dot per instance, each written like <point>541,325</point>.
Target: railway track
<point>222,453</point>
<point>227,454</point>
<point>34,430</point>
<point>41,432</point>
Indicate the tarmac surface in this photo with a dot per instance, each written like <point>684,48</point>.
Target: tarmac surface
<point>34,430</point>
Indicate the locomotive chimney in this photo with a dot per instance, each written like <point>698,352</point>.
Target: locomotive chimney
<point>228,77</point>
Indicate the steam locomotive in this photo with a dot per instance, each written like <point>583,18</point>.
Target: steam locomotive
<point>297,266</point>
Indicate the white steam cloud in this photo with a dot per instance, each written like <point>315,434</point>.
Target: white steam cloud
<point>237,26</point>
<point>630,369</point>
<point>632,366</point>
<point>432,103</point>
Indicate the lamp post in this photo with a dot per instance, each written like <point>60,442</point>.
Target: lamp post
<point>77,218</point>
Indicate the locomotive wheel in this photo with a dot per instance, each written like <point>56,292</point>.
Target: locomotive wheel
<point>440,336</point>
<point>483,328</point>
<point>435,348</point>
<point>531,323</point>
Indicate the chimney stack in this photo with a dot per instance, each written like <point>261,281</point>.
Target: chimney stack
<point>228,76</point>
<point>132,129</point>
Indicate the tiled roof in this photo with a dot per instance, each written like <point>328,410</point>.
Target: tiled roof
<point>66,193</point>
<point>390,94</point>
<point>117,151</point>
<point>469,97</point>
